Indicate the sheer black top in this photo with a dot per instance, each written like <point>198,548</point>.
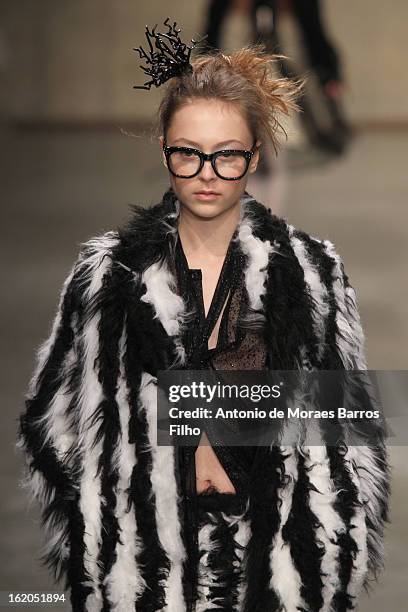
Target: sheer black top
<point>236,461</point>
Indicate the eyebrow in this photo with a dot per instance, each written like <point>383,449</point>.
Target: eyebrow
<point>219,144</point>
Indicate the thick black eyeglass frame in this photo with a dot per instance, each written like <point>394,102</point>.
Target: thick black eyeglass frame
<point>209,157</point>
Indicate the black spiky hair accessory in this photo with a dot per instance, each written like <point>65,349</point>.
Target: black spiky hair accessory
<point>171,57</point>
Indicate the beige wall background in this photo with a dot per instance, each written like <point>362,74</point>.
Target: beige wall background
<point>73,59</point>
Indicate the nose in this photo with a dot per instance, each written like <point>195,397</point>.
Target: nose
<point>207,171</point>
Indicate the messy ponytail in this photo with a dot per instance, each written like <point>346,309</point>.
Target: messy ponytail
<point>243,78</point>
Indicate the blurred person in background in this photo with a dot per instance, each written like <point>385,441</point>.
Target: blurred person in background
<point>208,278</point>
<point>322,58</point>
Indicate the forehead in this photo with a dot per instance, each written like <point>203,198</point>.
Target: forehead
<point>209,123</point>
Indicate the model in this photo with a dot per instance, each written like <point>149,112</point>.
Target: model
<point>206,278</point>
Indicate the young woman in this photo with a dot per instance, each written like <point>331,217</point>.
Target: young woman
<point>208,278</point>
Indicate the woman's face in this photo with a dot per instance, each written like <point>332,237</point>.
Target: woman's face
<point>209,125</point>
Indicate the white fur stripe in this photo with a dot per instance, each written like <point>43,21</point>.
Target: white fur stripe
<point>161,293</point>
<point>372,482</point>
<point>241,540</point>
<point>316,288</point>
<point>124,581</point>
<point>285,579</point>
<point>351,304</point>
<point>352,311</point>
<point>36,487</point>
<point>358,530</point>
<point>322,505</point>
<point>257,252</point>
<point>351,340</point>
<point>97,251</point>
<point>90,396</point>
<point>58,431</point>
<point>243,536</point>
<point>165,492</point>
<point>59,434</point>
<point>169,307</point>
<point>207,579</point>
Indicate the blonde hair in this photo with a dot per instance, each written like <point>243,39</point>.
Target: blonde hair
<point>243,78</point>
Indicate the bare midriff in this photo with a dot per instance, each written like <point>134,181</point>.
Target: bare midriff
<point>210,474</point>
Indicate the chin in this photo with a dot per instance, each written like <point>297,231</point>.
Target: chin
<point>206,210</point>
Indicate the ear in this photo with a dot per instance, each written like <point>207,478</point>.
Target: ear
<point>255,158</point>
<point>161,140</point>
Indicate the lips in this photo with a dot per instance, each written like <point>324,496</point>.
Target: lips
<point>206,193</point>
<point>206,196</point>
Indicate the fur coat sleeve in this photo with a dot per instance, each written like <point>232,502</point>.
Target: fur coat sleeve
<point>51,429</point>
<point>108,496</point>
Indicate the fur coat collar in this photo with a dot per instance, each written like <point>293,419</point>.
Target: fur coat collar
<point>109,496</point>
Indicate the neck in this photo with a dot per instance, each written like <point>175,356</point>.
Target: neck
<point>207,238</point>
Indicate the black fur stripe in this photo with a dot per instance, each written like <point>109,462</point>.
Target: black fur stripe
<point>289,311</point>
<point>345,503</point>
<point>148,226</point>
<point>324,266</point>
<point>152,559</point>
<point>111,307</point>
<point>300,532</point>
<point>331,359</point>
<point>223,560</point>
<point>77,575</point>
<point>265,520</point>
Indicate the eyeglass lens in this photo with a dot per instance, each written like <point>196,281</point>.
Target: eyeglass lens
<point>230,165</point>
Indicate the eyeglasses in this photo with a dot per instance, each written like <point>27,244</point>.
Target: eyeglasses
<point>228,164</point>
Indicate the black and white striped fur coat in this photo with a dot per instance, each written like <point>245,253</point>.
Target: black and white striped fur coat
<point>109,495</point>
